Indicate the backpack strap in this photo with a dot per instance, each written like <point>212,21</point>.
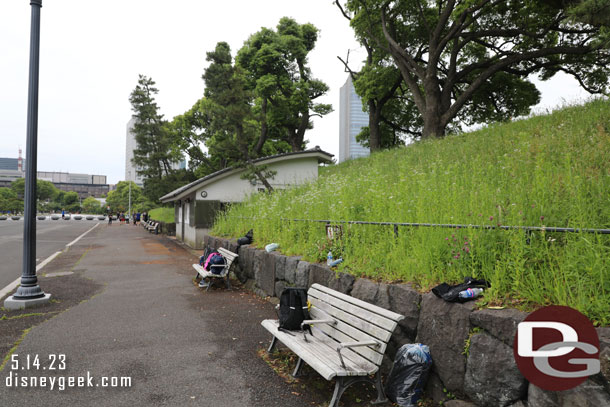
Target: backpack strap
<point>303,301</point>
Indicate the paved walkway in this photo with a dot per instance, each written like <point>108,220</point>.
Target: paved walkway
<point>180,346</point>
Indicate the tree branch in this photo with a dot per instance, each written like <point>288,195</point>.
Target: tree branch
<point>342,10</point>
<point>502,64</point>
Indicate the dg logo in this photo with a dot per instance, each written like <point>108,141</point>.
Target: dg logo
<point>556,348</point>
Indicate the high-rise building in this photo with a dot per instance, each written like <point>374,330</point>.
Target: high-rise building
<point>131,171</point>
<point>351,120</point>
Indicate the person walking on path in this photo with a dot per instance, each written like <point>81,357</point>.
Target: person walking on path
<point>109,219</point>
<point>63,214</point>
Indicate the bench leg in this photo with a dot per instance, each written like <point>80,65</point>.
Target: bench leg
<point>273,342</point>
<point>297,368</point>
<point>228,282</point>
<point>339,389</point>
<point>210,279</point>
<point>342,383</point>
<point>381,398</point>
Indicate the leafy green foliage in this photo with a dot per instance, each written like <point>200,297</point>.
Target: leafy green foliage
<point>154,154</point>
<point>71,202</point>
<point>49,197</point>
<point>9,201</point>
<point>45,190</point>
<point>468,61</point>
<point>261,103</point>
<point>92,206</point>
<point>118,199</point>
<point>548,170</point>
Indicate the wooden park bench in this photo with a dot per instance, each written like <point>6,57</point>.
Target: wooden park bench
<point>153,227</point>
<point>347,341</point>
<point>224,273</point>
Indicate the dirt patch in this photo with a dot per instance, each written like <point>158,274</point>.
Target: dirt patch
<point>283,362</point>
<point>67,291</point>
<point>155,247</point>
<point>157,262</point>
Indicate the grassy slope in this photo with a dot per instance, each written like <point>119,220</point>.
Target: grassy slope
<point>162,215</point>
<point>548,170</point>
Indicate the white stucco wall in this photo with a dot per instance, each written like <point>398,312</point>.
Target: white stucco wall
<point>234,189</point>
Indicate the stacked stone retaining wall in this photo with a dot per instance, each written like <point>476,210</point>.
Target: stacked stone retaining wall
<point>472,349</point>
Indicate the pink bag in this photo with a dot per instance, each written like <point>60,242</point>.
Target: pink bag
<point>207,261</point>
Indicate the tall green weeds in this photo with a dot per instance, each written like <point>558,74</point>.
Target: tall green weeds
<point>544,171</point>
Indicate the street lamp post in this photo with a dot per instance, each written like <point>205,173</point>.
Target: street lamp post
<point>129,180</point>
<point>29,292</point>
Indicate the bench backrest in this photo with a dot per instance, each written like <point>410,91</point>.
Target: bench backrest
<point>357,320</point>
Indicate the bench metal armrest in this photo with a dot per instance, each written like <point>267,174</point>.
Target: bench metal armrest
<point>221,266</point>
<point>315,321</point>
<point>344,345</point>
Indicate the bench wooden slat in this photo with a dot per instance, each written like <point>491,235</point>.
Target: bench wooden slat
<point>359,303</point>
<point>230,256</point>
<point>348,353</point>
<point>364,315</point>
<point>319,355</point>
<point>346,333</point>
<point>328,334</point>
<point>374,331</point>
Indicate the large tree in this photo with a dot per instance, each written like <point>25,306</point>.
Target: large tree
<point>284,89</point>
<point>469,60</point>
<point>118,199</point>
<point>382,91</point>
<point>153,155</point>
<point>9,201</point>
<point>257,104</point>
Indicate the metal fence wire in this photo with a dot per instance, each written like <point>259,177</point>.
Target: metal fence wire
<point>396,225</point>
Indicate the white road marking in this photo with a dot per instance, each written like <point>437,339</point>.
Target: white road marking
<point>39,267</point>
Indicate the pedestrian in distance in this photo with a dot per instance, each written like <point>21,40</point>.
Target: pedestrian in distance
<point>63,214</point>
<point>109,219</point>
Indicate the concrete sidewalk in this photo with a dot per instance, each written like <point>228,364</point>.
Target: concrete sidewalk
<point>140,316</point>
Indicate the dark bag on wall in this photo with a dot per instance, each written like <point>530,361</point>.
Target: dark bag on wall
<point>293,309</point>
<point>451,293</point>
<point>247,239</point>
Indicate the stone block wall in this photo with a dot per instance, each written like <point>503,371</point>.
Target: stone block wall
<point>472,350</point>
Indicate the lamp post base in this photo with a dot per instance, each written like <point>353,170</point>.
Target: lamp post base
<point>12,303</point>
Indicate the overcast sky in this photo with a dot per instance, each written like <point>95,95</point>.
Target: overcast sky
<point>92,52</point>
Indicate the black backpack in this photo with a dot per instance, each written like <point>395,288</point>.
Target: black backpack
<point>450,293</point>
<point>293,309</point>
<point>247,239</point>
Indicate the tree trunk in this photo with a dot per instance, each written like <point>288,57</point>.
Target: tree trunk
<point>262,179</point>
<point>264,128</point>
<point>433,124</point>
<point>374,131</point>
<point>433,128</point>
<point>298,136</point>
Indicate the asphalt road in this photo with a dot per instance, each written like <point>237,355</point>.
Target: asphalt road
<point>51,236</point>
